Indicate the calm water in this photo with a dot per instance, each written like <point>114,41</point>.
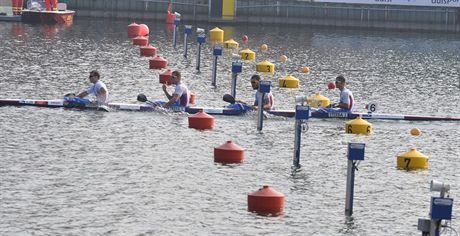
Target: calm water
<point>66,172</point>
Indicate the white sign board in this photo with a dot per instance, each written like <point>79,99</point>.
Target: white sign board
<point>429,3</point>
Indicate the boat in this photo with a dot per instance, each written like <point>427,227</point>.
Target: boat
<point>47,12</point>
<point>230,110</point>
<point>5,17</point>
<point>10,10</point>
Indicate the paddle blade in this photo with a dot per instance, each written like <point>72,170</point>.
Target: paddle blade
<point>71,95</point>
<point>141,98</point>
<point>229,98</point>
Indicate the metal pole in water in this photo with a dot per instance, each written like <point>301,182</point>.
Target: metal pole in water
<point>188,31</point>
<point>264,87</point>
<point>301,113</point>
<point>216,52</point>
<point>237,67</point>
<point>176,24</point>
<point>440,209</point>
<point>355,153</point>
<point>201,38</point>
<point>260,111</point>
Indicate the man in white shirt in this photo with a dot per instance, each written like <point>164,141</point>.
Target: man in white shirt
<point>180,96</point>
<point>98,89</point>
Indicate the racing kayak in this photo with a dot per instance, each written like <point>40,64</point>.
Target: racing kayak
<point>79,104</point>
<point>232,110</point>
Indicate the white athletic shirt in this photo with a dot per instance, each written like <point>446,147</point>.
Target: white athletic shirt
<point>184,95</point>
<point>267,98</point>
<point>93,89</point>
<point>346,96</point>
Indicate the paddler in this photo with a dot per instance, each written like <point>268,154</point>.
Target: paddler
<point>347,100</point>
<point>98,89</point>
<point>268,99</point>
<point>181,96</point>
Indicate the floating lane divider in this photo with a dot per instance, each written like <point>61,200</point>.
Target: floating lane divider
<point>234,109</point>
<point>228,153</point>
<point>266,201</point>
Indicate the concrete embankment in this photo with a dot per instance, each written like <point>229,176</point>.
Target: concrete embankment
<point>369,16</point>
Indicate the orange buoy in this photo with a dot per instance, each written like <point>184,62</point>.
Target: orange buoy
<point>165,77</point>
<point>140,41</point>
<point>158,62</point>
<point>148,51</point>
<point>415,131</point>
<point>133,30</point>
<point>228,153</point>
<point>192,98</point>
<point>143,30</point>
<point>266,201</point>
<point>201,121</point>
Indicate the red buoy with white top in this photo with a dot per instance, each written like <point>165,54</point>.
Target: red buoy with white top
<point>228,153</point>
<point>143,30</point>
<point>133,30</point>
<point>140,41</point>
<point>170,17</point>
<point>158,62</point>
<point>165,77</point>
<point>201,121</point>
<point>148,51</point>
<point>266,201</point>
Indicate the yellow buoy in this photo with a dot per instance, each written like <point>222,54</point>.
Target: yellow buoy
<point>305,69</point>
<point>265,66</point>
<point>231,44</point>
<point>263,47</point>
<point>415,131</point>
<point>247,54</point>
<point>216,35</point>
<point>289,82</point>
<point>412,160</point>
<point>318,100</point>
<point>283,58</point>
<point>358,126</point>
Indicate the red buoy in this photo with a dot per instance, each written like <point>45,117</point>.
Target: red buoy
<point>170,17</point>
<point>158,62</point>
<point>331,85</point>
<point>266,201</point>
<point>245,38</point>
<point>148,51</point>
<point>143,30</point>
<point>165,77</point>
<point>133,30</point>
<point>228,153</point>
<point>192,98</point>
<point>201,121</point>
<point>140,41</point>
